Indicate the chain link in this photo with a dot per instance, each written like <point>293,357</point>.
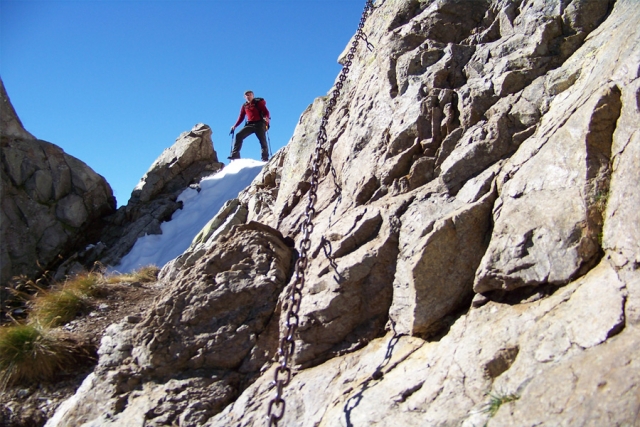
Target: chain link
<point>282,374</point>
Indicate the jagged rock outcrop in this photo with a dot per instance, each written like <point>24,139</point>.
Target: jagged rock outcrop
<point>219,312</point>
<point>154,199</point>
<point>475,252</point>
<point>52,203</point>
<point>233,212</point>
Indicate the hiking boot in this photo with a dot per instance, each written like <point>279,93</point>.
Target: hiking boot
<point>265,159</point>
<point>234,157</point>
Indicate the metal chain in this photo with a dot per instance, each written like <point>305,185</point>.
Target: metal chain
<point>283,373</point>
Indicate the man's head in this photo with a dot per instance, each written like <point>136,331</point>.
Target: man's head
<point>248,95</point>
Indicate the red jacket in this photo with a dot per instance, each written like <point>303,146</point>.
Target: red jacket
<point>252,111</point>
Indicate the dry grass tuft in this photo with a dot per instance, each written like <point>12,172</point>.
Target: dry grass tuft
<point>57,308</point>
<point>32,352</point>
<point>145,274</point>
<point>29,354</point>
<point>87,284</point>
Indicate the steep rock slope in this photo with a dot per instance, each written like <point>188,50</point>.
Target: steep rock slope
<point>52,203</point>
<point>154,199</point>
<point>475,240</point>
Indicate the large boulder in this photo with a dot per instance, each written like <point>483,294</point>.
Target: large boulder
<point>52,203</point>
<point>202,341</point>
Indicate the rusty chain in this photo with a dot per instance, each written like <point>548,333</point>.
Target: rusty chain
<point>283,373</point>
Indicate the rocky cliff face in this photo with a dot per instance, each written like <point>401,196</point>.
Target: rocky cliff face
<point>52,203</point>
<point>154,199</point>
<point>475,249</point>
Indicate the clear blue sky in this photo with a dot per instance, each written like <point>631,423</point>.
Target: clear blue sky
<point>115,82</point>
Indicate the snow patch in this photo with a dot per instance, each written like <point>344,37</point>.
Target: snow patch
<point>198,208</point>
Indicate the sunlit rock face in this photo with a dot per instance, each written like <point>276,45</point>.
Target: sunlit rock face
<point>155,198</point>
<point>52,203</point>
<point>476,239</point>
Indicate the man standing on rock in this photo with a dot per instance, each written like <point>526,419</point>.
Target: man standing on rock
<point>258,117</point>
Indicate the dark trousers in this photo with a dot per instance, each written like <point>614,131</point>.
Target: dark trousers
<point>251,127</point>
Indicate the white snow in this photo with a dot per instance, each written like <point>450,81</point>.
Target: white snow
<point>198,208</point>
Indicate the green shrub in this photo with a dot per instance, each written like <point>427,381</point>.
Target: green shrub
<point>29,353</point>
<point>496,401</point>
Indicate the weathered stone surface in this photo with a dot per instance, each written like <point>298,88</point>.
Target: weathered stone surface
<point>10,124</point>
<point>347,301</point>
<point>154,199</point>
<point>230,214</point>
<point>536,239</point>
<point>568,159</point>
<point>621,233</point>
<point>486,146</point>
<point>194,349</point>
<point>261,196</point>
<point>52,203</point>
<point>439,254</point>
<point>174,169</point>
<point>244,272</point>
<point>495,349</point>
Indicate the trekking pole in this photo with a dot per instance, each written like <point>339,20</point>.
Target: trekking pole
<point>233,131</point>
<point>269,142</point>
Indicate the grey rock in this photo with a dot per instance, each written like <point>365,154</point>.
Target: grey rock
<point>492,349</point>
<point>52,203</point>
<point>188,355</point>
<point>71,210</point>
<point>475,234</point>
<point>178,165</point>
<point>536,239</point>
<point>347,302</point>
<point>230,214</point>
<point>621,231</point>
<point>10,124</point>
<point>439,254</point>
<point>154,199</point>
